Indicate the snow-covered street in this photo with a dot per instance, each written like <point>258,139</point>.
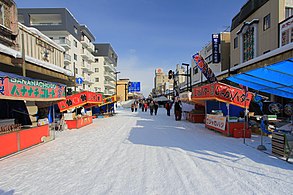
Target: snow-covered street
<point>135,153</point>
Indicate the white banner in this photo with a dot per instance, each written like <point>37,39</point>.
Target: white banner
<point>216,121</point>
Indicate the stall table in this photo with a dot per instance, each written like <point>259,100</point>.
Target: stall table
<point>16,141</point>
<point>79,122</point>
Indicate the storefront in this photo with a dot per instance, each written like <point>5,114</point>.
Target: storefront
<point>106,108</point>
<point>77,103</point>
<point>17,132</point>
<point>223,107</point>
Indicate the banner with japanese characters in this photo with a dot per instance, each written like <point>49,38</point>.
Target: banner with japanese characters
<point>204,68</point>
<point>80,99</point>
<point>24,88</point>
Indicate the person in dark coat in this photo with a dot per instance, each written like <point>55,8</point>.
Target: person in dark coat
<point>168,108</point>
<point>178,109</point>
<point>156,107</point>
<point>152,107</point>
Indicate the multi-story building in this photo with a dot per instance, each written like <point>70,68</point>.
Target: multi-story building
<point>122,89</point>
<point>161,83</point>
<point>104,69</point>
<point>77,40</point>
<point>255,29</point>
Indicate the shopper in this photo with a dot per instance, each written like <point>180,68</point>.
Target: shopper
<point>178,109</point>
<point>168,108</point>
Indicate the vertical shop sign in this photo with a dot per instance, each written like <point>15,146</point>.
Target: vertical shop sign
<point>216,48</point>
<point>204,68</point>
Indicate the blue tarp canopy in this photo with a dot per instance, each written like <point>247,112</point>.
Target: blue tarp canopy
<point>275,79</point>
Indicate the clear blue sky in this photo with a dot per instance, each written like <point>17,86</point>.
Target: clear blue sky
<point>147,34</point>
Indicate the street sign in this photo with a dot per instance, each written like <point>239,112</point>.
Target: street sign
<point>79,80</point>
<point>134,87</point>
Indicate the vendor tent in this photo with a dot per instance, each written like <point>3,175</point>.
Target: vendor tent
<point>275,79</point>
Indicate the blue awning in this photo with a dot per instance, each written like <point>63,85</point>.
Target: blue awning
<point>275,79</point>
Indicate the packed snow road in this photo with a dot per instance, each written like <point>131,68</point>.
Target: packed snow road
<point>135,153</point>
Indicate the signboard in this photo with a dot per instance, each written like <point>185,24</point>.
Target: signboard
<point>286,32</point>
<point>80,99</point>
<point>223,93</point>
<point>79,80</point>
<point>134,87</point>
<point>24,88</point>
<point>219,122</point>
<point>216,48</point>
<point>205,69</point>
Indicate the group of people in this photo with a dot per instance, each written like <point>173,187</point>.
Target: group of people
<point>153,107</point>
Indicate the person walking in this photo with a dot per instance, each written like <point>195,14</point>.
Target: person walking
<point>156,107</point>
<point>168,108</point>
<point>145,106</point>
<point>152,106</point>
<point>135,106</point>
<point>178,109</point>
<point>132,107</point>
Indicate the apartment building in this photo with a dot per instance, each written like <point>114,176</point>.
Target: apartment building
<point>162,84</point>
<point>77,40</point>
<point>104,67</point>
<point>255,29</point>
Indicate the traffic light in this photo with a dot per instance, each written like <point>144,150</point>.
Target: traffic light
<point>170,74</point>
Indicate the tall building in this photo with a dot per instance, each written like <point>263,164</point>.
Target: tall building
<point>162,84</point>
<point>104,69</point>
<point>77,40</point>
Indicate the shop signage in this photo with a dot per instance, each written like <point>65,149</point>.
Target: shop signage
<point>80,99</point>
<point>286,32</point>
<point>216,121</point>
<point>29,89</point>
<point>205,69</point>
<point>216,48</point>
<point>223,93</point>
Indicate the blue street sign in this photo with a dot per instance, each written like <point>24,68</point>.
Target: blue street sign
<point>79,80</point>
<point>134,87</point>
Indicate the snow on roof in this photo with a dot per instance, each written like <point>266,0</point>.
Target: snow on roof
<point>17,54</point>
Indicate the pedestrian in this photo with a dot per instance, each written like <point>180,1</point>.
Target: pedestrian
<point>132,107</point>
<point>178,109</point>
<point>168,108</point>
<point>156,106</point>
<point>145,106</point>
<point>135,106</point>
<point>152,107</point>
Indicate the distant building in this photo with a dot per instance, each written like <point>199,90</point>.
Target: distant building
<point>162,84</point>
<point>77,40</point>
<point>104,69</point>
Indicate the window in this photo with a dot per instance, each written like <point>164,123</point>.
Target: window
<point>288,12</point>
<point>97,60</point>
<point>248,44</point>
<point>75,30</point>
<point>76,71</point>
<point>195,70</point>
<point>45,19</point>
<point>75,56</point>
<point>96,50</point>
<point>267,22</point>
<point>96,89</point>
<point>96,69</point>
<point>97,79</point>
<point>235,42</point>
<point>75,43</point>
<point>2,14</point>
<point>21,18</point>
<point>83,86</point>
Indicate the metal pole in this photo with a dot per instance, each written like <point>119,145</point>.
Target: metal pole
<point>23,56</point>
<point>125,85</point>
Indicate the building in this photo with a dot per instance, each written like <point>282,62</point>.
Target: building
<point>104,69</point>
<point>162,84</point>
<point>77,40</point>
<point>255,29</point>
<point>122,89</point>
<point>216,54</point>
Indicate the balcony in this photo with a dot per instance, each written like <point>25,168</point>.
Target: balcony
<point>110,76</point>
<point>91,47</point>
<point>85,55</point>
<point>85,42</point>
<point>87,68</point>
<point>65,43</point>
<point>109,84</point>
<point>67,59</point>
<point>110,67</point>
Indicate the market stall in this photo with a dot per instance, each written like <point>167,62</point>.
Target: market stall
<point>78,102</point>
<point>106,108</point>
<point>222,102</point>
<point>17,132</point>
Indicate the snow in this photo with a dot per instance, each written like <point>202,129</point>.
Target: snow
<point>135,153</point>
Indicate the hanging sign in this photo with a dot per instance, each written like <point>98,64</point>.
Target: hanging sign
<point>80,99</point>
<point>24,88</point>
<point>205,69</point>
<point>223,93</point>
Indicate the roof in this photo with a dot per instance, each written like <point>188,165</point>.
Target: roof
<point>275,79</point>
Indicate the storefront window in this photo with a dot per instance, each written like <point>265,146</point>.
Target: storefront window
<point>248,44</point>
